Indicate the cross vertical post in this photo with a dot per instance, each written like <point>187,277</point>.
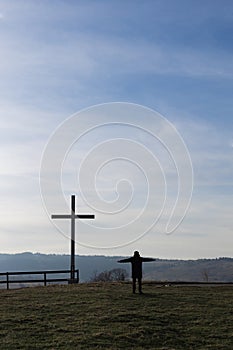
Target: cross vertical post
<point>72,248</point>
<point>72,216</point>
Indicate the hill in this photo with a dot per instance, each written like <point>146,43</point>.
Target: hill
<point>109,316</point>
<point>208,270</point>
<point>38,262</point>
<point>211,270</point>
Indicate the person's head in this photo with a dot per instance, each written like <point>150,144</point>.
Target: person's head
<point>136,254</point>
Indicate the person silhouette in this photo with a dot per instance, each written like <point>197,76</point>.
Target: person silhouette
<point>136,262</point>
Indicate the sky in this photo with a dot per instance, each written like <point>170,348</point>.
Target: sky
<point>172,59</point>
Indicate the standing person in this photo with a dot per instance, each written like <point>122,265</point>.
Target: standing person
<point>136,261</point>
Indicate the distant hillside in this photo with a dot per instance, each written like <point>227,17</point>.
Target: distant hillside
<point>87,265</point>
<point>220,269</point>
<point>208,270</point>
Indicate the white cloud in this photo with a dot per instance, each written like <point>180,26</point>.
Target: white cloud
<point>84,56</point>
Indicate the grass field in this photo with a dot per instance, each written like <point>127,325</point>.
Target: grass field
<point>109,316</point>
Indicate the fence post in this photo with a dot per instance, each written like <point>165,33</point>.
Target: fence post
<point>7,280</point>
<point>45,281</point>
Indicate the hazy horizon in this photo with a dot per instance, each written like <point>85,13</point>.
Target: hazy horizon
<point>112,256</point>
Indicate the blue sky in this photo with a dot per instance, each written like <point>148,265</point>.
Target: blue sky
<point>175,57</point>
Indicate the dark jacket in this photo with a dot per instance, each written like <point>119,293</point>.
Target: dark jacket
<point>136,262</point>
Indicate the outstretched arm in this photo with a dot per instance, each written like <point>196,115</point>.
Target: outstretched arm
<point>147,259</point>
<point>125,260</point>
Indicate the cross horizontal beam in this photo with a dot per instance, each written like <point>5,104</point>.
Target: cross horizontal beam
<point>70,216</point>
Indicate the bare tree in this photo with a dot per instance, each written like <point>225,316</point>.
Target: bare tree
<point>119,274</point>
<point>109,276</point>
<point>205,275</point>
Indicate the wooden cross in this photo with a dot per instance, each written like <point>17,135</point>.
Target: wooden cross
<point>72,216</point>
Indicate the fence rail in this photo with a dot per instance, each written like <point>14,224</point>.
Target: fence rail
<point>43,279</point>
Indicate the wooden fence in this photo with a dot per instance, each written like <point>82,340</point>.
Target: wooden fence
<point>43,277</point>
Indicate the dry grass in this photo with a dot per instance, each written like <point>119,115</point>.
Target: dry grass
<point>108,316</point>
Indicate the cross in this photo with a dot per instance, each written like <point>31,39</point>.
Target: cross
<point>73,216</point>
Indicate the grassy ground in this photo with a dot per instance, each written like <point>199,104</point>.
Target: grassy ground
<point>109,316</point>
